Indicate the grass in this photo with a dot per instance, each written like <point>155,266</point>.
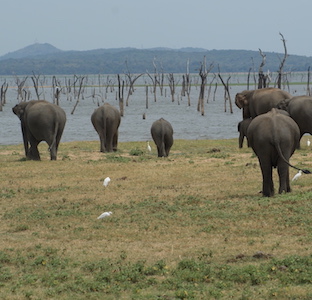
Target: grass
<point>190,226</point>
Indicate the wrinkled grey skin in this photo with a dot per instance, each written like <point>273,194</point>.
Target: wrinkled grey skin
<point>40,121</point>
<point>274,137</point>
<point>242,129</point>
<point>162,134</point>
<point>106,121</point>
<point>300,109</point>
<point>257,102</point>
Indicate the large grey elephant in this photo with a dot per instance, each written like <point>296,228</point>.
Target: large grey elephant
<point>274,137</point>
<point>242,129</point>
<point>162,134</point>
<point>40,121</point>
<point>106,121</point>
<point>257,102</point>
<point>300,109</point>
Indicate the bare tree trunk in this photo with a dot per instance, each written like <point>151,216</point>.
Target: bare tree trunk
<point>203,72</point>
<point>280,71</point>
<point>121,86</point>
<point>308,83</point>
<point>35,80</point>
<point>146,92</point>
<point>20,88</point>
<point>4,88</point>
<point>171,85</point>
<point>261,79</point>
<point>78,94</point>
<point>227,92</point>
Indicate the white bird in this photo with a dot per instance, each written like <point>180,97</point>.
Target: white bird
<point>149,148</point>
<point>104,215</point>
<point>308,143</point>
<point>106,181</point>
<point>297,175</point>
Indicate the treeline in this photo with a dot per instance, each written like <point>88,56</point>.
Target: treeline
<point>116,61</point>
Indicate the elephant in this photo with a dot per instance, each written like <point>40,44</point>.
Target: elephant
<point>300,109</point>
<point>274,136</point>
<point>242,129</point>
<point>40,121</point>
<point>162,134</point>
<point>106,120</point>
<point>256,102</point>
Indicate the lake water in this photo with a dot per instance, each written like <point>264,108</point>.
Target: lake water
<point>186,121</point>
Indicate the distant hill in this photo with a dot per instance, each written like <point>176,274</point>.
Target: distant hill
<point>32,51</point>
<point>45,59</point>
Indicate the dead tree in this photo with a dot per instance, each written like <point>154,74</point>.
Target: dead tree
<point>186,84</point>
<point>227,95</point>
<point>80,80</point>
<point>171,85</point>
<point>121,86</point>
<point>57,89</point>
<point>203,72</point>
<point>35,80</point>
<point>4,88</point>
<point>20,88</point>
<point>209,89</point>
<point>308,83</point>
<point>155,78</point>
<point>262,78</point>
<point>131,82</point>
<point>280,71</point>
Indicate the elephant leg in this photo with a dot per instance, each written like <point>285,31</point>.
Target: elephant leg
<point>267,179</point>
<point>115,141</point>
<point>109,141</point>
<point>241,140</point>
<point>102,142</point>
<point>53,151</point>
<point>33,152</point>
<point>283,173</point>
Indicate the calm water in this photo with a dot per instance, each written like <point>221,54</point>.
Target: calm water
<point>186,121</point>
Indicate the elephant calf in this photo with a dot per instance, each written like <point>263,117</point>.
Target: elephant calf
<point>40,121</point>
<point>242,129</point>
<point>162,134</point>
<point>274,137</point>
<point>106,121</point>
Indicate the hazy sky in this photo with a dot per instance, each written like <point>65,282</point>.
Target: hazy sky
<point>93,24</point>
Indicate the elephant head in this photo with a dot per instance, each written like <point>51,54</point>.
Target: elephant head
<point>19,109</point>
<point>260,101</point>
<point>242,99</point>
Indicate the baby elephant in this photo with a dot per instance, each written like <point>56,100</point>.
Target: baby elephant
<point>106,121</point>
<point>274,137</point>
<point>242,129</point>
<point>162,134</point>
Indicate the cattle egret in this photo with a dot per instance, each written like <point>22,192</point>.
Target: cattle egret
<point>104,215</point>
<point>149,148</point>
<point>297,175</point>
<point>106,181</point>
<point>308,143</point>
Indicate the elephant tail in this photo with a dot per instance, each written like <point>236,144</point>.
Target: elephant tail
<point>53,144</point>
<point>280,153</point>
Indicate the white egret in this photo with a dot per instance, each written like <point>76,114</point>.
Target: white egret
<point>149,148</point>
<point>297,175</point>
<point>104,215</point>
<point>308,143</point>
<point>106,181</point>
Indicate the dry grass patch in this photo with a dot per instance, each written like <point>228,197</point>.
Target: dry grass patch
<point>201,204</point>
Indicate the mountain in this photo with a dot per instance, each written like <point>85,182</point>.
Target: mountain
<point>45,59</point>
<point>32,51</point>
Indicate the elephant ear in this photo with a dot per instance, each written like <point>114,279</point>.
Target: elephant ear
<point>240,100</point>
